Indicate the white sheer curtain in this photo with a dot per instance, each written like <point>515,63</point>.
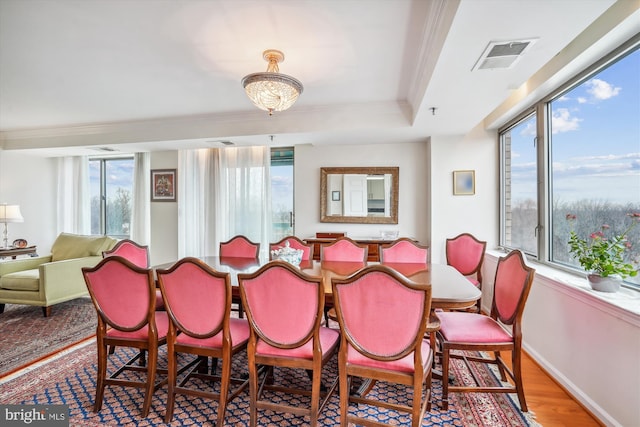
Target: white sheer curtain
<point>73,210</point>
<point>224,192</point>
<point>141,206</point>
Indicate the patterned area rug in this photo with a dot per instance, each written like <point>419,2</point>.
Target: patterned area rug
<point>70,379</point>
<point>27,336</point>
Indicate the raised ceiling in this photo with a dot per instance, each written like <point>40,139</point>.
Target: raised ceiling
<point>155,75</point>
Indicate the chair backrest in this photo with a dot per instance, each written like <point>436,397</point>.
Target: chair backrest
<point>344,249</point>
<point>295,243</point>
<point>197,298</point>
<point>511,288</point>
<point>404,250</point>
<point>130,250</point>
<point>124,295</point>
<point>284,306</point>
<point>465,253</point>
<point>362,298</point>
<point>239,247</point>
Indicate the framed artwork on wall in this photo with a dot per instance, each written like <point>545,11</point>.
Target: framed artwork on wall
<point>464,183</point>
<point>163,185</point>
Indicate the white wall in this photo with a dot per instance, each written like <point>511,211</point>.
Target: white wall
<point>476,214</point>
<point>591,347</point>
<point>164,215</point>
<point>412,159</point>
<point>30,181</point>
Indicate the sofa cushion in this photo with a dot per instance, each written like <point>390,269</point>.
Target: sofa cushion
<point>69,246</point>
<point>27,280</point>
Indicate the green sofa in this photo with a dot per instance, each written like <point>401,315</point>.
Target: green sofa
<point>47,280</point>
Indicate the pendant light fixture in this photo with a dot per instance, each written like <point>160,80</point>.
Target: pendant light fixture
<point>272,91</point>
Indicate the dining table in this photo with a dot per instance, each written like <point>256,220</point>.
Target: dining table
<point>449,288</point>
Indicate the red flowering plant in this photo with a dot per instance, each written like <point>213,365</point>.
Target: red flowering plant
<point>601,254</point>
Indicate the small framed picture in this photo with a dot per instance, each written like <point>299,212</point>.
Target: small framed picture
<point>335,196</point>
<point>163,185</point>
<point>464,183</point>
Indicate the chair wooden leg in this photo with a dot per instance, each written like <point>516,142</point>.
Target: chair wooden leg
<point>315,396</point>
<point>345,389</point>
<point>416,411</point>
<point>46,311</point>
<point>102,373</point>
<point>517,374</point>
<point>224,389</point>
<point>445,376</point>
<point>503,375</point>
<point>172,378</point>
<point>151,379</point>
<point>253,392</point>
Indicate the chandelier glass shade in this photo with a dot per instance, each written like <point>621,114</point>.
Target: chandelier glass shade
<point>272,91</point>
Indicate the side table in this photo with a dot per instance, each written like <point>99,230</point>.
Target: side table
<point>13,252</point>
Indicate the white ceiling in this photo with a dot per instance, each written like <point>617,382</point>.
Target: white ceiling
<point>165,74</point>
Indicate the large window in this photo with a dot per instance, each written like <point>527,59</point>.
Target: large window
<point>576,152</point>
<point>282,193</point>
<point>111,186</point>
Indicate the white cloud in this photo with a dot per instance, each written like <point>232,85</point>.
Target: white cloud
<point>562,121</point>
<point>582,100</point>
<point>601,90</point>
<point>529,129</point>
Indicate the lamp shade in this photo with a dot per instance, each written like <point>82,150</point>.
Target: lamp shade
<point>10,213</point>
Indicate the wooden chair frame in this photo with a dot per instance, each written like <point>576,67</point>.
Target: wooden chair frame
<point>199,367</point>
<point>422,368</point>
<point>149,344</point>
<point>121,249</point>
<point>475,270</point>
<point>339,241</point>
<point>514,345</point>
<point>116,250</point>
<point>248,243</point>
<point>313,366</point>
<point>389,246</point>
<point>299,244</point>
<point>255,255</point>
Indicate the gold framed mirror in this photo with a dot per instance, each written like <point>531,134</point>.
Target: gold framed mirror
<point>362,195</point>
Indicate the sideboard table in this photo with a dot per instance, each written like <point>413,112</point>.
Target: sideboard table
<point>13,252</point>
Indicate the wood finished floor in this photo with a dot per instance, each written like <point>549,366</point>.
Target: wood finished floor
<point>552,406</point>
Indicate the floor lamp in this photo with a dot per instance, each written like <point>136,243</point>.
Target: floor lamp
<point>9,213</point>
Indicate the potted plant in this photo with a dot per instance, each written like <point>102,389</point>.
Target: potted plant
<point>603,257</point>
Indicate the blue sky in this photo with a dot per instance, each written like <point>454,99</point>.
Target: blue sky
<point>596,139</point>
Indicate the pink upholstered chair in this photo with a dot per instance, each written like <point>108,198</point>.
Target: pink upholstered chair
<point>239,247</point>
<point>284,308</point>
<point>295,243</point>
<point>477,332</point>
<point>465,253</point>
<point>404,250</point>
<point>198,301</point>
<point>235,250</point>
<point>124,297</point>
<point>138,255</point>
<point>344,249</point>
<point>387,348</point>
<point>128,249</point>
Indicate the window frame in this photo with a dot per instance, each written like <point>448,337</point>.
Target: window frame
<point>541,109</point>
<point>103,190</point>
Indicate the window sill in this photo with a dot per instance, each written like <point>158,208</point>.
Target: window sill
<point>624,304</point>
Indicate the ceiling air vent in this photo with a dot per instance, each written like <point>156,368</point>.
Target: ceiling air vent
<point>502,54</point>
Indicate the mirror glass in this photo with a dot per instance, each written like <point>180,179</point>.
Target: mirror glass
<point>359,195</point>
